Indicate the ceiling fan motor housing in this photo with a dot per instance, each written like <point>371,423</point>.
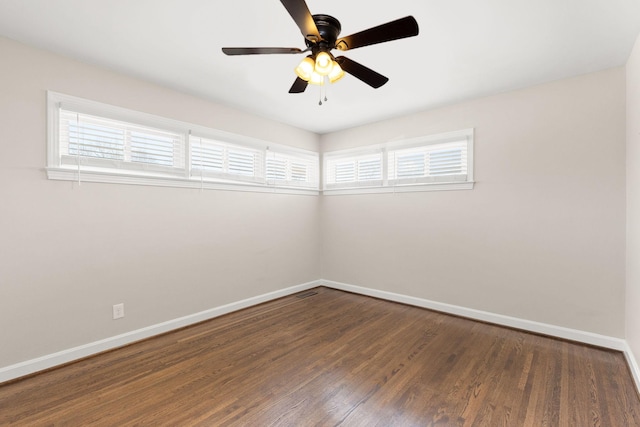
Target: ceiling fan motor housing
<point>329,29</point>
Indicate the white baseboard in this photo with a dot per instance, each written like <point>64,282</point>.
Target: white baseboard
<point>485,316</point>
<point>65,356</point>
<point>633,365</point>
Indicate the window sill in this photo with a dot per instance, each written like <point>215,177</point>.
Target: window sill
<point>63,174</point>
<point>441,186</point>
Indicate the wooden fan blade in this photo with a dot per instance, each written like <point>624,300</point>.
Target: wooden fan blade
<point>299,11</point>
<point>359,71</point>
<point>299,86</point>
<point>259,50</point>
<point>394,30</point>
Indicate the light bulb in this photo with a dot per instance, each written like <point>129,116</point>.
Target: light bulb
<point>304,70</point>
<point>324,63</point>
<point>316,79</point>
<point>336,73</point>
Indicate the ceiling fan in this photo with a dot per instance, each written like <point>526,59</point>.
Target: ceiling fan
<point>320,34</point>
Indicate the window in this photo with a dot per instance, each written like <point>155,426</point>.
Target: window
<point>444,162</point>
<point>437,162</point>
<point>90,141</point>
<point>285,169</point>
<point>216,159</point>
<point>94,141</point>
<point>353,170</point>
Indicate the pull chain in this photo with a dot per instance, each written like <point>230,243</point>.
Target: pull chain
<point>323,92</point>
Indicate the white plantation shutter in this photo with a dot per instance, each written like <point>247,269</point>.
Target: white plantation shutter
<point>370,168</point>
<point>444,162</point>
<point>408,164</point>
<point>245,162</point>
<point>207,157</point>
<point>94,142</point>
<point>343,171</point>
<point>155,148</point>
<point>216,159</point>
<point>276,167</point>
<point>305,171</point>
<point>292,169</point>
<point>358,170</point>
<point>428,163</point>
<point>81,138</point>
<point>102,142</point>
<point>451,160</point>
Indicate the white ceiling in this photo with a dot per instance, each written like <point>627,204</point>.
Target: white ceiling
<point>465,49</point>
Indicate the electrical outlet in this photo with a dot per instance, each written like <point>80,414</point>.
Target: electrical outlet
<point>118,311</point>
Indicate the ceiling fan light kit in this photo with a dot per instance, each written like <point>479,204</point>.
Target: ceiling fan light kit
<point>320,34</point>
<point>314,71</point>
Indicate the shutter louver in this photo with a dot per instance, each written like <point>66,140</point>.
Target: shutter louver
<point>292,169</point>
<point>354,171</point>
<point>85,138</point>
<point>369,170</point>
<point>276,169</point>
<point>447,162</point>
<point>300,172</point>
<point>345,172</point>
<point>429,163</point>
<point>102,142</point>
<point>152,148</point>
<point>218,159</point>
<point>410,165</point>
<point>207,157</point>
<point>242,162</point>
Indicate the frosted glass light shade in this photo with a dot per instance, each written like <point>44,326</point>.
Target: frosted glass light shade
<point>304,70</point>
<point>324,63</point>
<point>336,73</point>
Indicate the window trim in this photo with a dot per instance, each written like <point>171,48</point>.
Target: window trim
<point>384,148</point>
<point>57,170</point>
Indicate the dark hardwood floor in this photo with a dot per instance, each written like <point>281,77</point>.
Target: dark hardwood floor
<point>329,359</point>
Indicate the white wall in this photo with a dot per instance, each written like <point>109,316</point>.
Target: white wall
<point>68,253</point>
<point>633,201</point>
<point>542,235</point>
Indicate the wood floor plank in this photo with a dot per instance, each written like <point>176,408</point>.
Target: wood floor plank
<point>334,359</point>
